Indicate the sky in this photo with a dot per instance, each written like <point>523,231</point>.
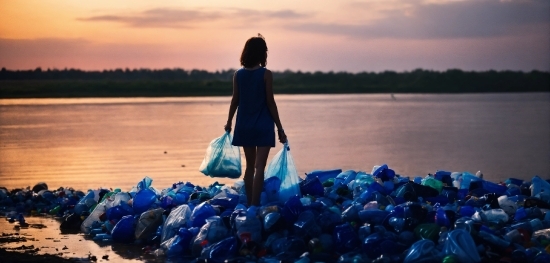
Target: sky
<point>306,35</point>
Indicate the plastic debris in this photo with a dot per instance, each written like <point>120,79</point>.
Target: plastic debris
<point>328,216</point>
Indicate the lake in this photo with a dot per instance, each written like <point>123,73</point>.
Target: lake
<point>115,142</point>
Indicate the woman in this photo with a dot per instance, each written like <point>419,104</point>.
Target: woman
<point>257,115</point>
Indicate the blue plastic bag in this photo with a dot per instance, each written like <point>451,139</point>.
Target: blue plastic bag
<point>283,167</point>
<point>123,231</point>
<point>222,159</point>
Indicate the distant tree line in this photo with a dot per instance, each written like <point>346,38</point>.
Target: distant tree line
<point>115,74</point>
<point>180,82</point>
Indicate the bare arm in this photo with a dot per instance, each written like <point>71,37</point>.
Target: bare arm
<point>272,106</point>
<point>234,104</point>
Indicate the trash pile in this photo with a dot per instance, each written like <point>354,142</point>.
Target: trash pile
<point>338,216</point>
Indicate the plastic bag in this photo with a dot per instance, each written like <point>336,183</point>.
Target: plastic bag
<point>178,218</point>
<point>212,232</point>
<point>123,231</point>
<point>222,159</point>
<point>148,222</point>
<point>283,167</point>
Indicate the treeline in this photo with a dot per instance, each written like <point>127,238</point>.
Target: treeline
<point>115,74</point>
<point>180,82</point>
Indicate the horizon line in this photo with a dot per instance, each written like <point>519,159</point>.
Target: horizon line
<point>127,69</point>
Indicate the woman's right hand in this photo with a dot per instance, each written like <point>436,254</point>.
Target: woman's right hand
<point>282,136</point>
<point>227,127</point>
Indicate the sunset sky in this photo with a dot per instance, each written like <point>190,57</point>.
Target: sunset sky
<point>354,36</point>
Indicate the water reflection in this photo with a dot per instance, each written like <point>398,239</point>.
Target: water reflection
<point>91,143</point>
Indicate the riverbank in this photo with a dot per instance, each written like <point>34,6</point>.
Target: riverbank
<point>179,83</point>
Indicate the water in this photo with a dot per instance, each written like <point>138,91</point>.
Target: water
<point>115,142</point>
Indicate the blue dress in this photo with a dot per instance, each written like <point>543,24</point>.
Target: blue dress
<point>254,125</point>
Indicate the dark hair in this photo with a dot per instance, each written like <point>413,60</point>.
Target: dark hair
<point>254,52</point>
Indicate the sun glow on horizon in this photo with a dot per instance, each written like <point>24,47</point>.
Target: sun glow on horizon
<point>307,35</point>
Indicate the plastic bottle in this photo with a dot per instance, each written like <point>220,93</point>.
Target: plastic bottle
<point>428,231</point>
<point>493,239</point>
<point>222,250</point>
<point>465,223</point>
<point>422,251</point>
<point>441,218</point>
<point>433,183</point>
<point>460,244</point>
<point>373,216</point>
<point>249,223</point>
<point>305,225</point>
<point>507,205</point>
<point>345,238</point>
<point>539,185</point>
<point>324,175</point>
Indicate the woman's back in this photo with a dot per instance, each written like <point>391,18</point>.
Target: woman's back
<point>255,125</point>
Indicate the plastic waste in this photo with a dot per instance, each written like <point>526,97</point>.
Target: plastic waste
<point>433,183</point>
<point>292,209</point>
<point>148,222</point>
<point>115,213</point>
<point>383,172</point>
<point>271,219</point>
<point>422,251</point>
<point>312,186</point>
<point>509,206</point>
<point>324,175</point>
<point>539,186</point>
<point>288,247</point>
<point>200,214</point>
<point>282,166</point>
<point>222,250</point>
<point>373,216</point>
<point>345,238</point>
<point>494,215</point>
<point>305,225</point>
<point>222,159</point>
<point>461,244</point>
<point>226,198</point>
<point>271,188</point>
<point>178,217</point>
<point>213,231</point>
<point>179,244</point>
<point>357,217</point>
<point>123,231</point>
<point>93,217</point>
<point>247,223</point>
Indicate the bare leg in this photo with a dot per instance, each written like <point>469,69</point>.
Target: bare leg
<point>250,156</point>
<point>261,160</point>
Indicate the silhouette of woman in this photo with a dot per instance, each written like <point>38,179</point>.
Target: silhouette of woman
<point>257,115</point>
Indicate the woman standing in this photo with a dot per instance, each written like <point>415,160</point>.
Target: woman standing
<point>257,115</point>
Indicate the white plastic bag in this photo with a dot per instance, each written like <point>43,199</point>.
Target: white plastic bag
<point>222,159</point>
<point>283,167</point>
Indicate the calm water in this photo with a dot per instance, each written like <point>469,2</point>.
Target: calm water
<point>90,143</point>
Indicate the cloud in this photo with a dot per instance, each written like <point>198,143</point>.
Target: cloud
<point>182,18</point>
<point>450,19</point>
